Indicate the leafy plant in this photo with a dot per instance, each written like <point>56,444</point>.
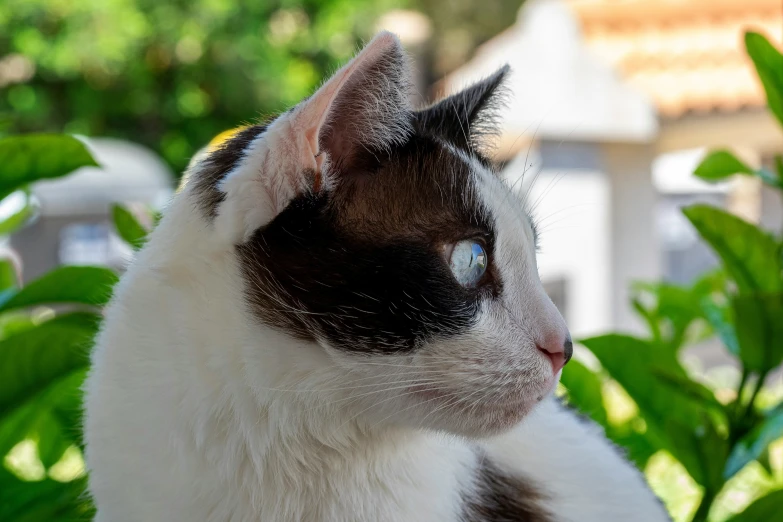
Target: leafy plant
<point>46,329</point>
<point>742,305</point>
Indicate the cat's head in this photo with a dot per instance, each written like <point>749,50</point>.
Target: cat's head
<point>380,236</point>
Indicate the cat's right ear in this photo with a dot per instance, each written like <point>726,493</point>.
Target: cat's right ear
<point>364,108</point>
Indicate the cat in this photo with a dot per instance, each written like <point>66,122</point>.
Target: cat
<point>339,318</point>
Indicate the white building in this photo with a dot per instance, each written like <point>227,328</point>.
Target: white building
<point>613,105</point>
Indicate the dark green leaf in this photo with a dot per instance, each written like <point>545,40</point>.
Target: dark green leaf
<point>766,509</point>
<point>759,326</point>
<point>51,440</point>
<point>33,360</point>
<point>128,227</point>
<point>67,406</point>
<point>584,391</point>
<point>89,285</point>
<point>28,158</point>
<point>769,67</point>
<point>750,255</point>
<point>765,462</point>
<point>779,169</point>
<point>753,445</point>
<point>719,165</point>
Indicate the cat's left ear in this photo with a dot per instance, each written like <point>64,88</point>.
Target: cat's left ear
<point>467,118</point>
<point>364,106</point>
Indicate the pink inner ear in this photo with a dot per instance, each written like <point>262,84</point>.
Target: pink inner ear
<point>311,116</point>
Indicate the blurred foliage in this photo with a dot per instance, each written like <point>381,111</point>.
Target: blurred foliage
<point>173,74</point>
<point>46,329</point>
<point>169,74</point>
<point>713,438</point>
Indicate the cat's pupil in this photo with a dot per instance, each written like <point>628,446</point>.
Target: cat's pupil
<point>468,262</point>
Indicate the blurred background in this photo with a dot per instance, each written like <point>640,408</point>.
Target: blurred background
<point>612,104</point>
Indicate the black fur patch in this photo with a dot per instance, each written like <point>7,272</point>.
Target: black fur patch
<point>214,168</point>
<point>469,118</point>
<point>362,265</point>
<point>500,497</point>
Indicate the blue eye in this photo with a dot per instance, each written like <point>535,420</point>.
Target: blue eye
<point>468,262</point>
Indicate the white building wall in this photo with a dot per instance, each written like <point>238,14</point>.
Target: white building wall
<point>572,211</point>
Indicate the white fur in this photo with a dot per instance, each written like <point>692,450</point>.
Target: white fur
<point>196,411</point>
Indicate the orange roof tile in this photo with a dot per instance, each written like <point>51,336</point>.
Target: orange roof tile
<point>687,55</point>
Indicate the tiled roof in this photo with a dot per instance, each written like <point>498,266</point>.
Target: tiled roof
<point>687,55</point>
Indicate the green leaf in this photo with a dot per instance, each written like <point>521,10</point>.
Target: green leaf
<point>31,157</point>
<point>629,361</point>
<point>67,406</point>
<point>8,275</point>
<point>128,227</point>
<point>33,360</point>
<point>17,425</point>
<point>766,463</point>
<point>779,170</point>
<point>88,285</point>
<point>765,509</point>
<point>769,67</point>
<point>51,440</point>
<point>674,422</point>
<point>689,388</point>
<point>639,446</point>
<point>759,326</point>
<point>61,402</point>
<point>719,318</point>
<point>719,165</point>
<point>15,221</point>
<point>750,255</point>
<point>753,445</point>
<point>43,501</point>
<point>584,391</point>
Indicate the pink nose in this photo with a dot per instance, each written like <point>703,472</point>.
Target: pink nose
<point>559,352</point>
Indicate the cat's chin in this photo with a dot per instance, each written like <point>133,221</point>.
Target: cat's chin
<point>485,418</point>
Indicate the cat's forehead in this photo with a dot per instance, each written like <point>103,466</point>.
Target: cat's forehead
<point>423,187</point>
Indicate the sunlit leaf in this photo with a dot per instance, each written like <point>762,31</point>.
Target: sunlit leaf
<point>128,227</point>
<point>88,285</point>
<point>766,509</point>
<point>31,157</point>
<point>719,165</point>
<point>750,255</point>
<point>21,215</point>
<point>8,275</point>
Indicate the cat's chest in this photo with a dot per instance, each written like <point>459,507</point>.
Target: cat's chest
<point>500,497</point>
